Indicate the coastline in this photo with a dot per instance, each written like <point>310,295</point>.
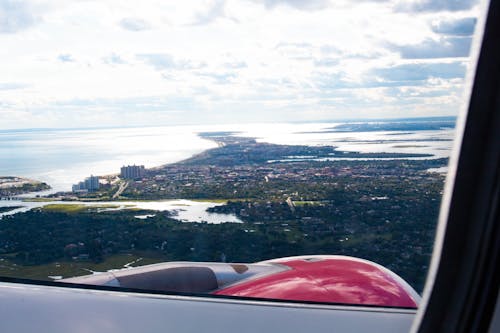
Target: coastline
<point>203,140</point>
<point>14,186</point>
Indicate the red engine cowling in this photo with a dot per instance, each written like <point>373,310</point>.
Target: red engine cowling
<point>332,279</point>
<point>326,279</point>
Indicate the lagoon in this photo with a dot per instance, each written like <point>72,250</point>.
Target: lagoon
<point>182,210</point>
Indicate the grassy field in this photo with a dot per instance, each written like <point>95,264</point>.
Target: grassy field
<point>221,201</point>
<point>41,199</point>
<point>310,203</point>
<point>68,269</point>
<point>75,208</point>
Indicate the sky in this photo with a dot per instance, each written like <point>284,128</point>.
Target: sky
<point>79,63</point>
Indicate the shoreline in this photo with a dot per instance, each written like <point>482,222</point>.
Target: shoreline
<point>219,139</point>
<point>183,210</point>
<point>14,186</point>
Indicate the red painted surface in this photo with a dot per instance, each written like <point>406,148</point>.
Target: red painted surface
<point>339,280</point>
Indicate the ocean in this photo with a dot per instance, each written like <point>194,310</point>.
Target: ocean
<point>62,157</point>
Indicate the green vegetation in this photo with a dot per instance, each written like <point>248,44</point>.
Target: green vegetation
<point>390,221</point>
<point>8,209</point>
<point>71,268</point>
<point>69,208</point>
<point>76,208</point>
<point>41,199</point>
<point>380,210</point>
<point>12,186</point>
<point>310,203</point>
<point>222,201</point>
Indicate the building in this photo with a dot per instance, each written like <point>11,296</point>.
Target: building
<point>89,184</point>
<point>132,171</point>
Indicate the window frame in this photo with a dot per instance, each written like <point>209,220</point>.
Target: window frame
<point>464,277</point>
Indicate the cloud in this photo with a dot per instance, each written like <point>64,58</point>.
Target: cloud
<point>66,58</point>
<point>309,5</point>
<point>235,65</point>
<point>114,59</point>
<point>16,16</point>
<point>158,60</point>
<point>332,81</point>
<point>150,103</point>
<point>134,24</point>
<point>162,61</point>
<point>281,54</point>
<point>214,11</point>
<point>420,72</point>
<point>398,76</point>
<point>417,92</point>
<point>326,62</point>
<point>296,51</point>
<point>328,83</point>
<point>459,27</point>
<point>434,5</point>
<point>329,49</point>
<point>445,47</point>
<point>12,86</point>
<point>219,78</point>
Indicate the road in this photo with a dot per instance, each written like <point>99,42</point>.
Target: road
<point>120,190</point>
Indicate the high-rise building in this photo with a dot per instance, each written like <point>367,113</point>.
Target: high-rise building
<point>132,171</point>
<point>92,183</point>
<point>89,184</point>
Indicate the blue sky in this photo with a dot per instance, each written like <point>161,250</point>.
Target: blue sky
<point>100,63</point>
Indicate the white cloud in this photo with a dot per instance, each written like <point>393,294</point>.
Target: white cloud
<point>435,5</point>
<point>134,24</point>
<point>444,47</point>
<point>460,27</point>
<point>214,10</point>
<point>232,60</point>
<point>66,58</point>
<point>17,16</point>
<point>12,86</point>
<point>298,4</point>
<point>114,59</point>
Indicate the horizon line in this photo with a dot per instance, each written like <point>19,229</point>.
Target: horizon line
<point>344,120</point>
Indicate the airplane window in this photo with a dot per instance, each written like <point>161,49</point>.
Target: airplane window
<point>262,149</point>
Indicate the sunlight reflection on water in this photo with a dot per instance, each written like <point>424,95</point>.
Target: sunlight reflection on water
<point>183,210</point>
<point>64,157</point>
